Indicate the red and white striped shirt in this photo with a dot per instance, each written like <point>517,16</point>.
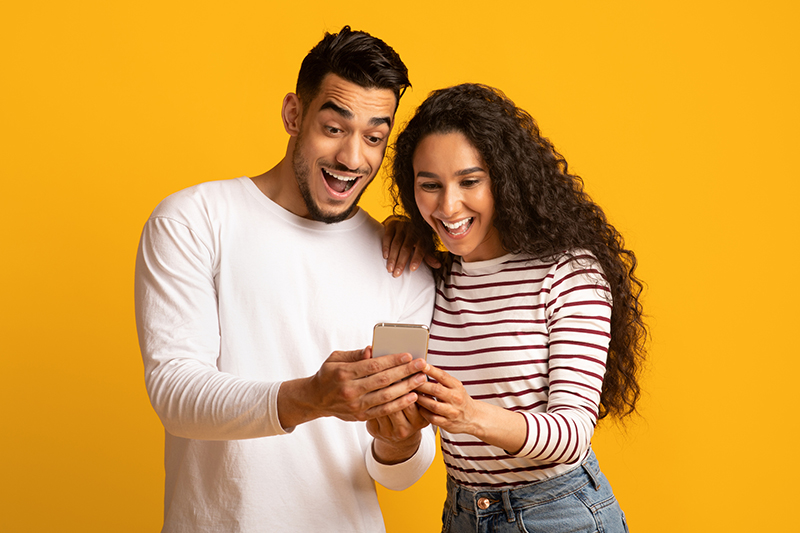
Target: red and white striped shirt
<point>532,337</point>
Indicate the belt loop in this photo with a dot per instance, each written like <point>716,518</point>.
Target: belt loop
<point>456,488</point>
<point>591,473</point>
<point>507,506</point>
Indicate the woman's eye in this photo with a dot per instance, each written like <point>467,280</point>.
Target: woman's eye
<point>429,186</point>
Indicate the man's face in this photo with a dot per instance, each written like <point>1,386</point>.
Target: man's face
<point>339,149</point>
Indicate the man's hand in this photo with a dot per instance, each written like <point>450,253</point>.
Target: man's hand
<point>352,386</point>
<point>397,436</point>
<point>401,247</point>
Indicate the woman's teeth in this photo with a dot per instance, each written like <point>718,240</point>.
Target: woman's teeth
<point>457,228</point>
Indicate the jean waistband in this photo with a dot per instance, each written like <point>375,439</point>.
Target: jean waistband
<point>485,502</point>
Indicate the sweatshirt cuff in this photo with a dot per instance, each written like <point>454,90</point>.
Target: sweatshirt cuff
<point>400,476</point>
<point>274,420</point>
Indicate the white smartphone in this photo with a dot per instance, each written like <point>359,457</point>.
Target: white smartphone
<point>400,338</point>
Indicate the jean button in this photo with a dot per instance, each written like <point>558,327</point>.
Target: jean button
<point>484,503</point>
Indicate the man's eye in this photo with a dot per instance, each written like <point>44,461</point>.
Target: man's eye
<point>374,140</point>
<point>333,130</point>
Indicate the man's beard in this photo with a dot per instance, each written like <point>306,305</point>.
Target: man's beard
<point>302,174</point>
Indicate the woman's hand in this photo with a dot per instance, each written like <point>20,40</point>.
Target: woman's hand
<point>401,247</point>
<point>448,405</point>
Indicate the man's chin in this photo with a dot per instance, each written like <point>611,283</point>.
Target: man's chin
<point>332,218</point>
<point>332,215</point>
<point>342,210</point>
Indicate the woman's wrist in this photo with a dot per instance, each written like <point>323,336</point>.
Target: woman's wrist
<point>500,427</point>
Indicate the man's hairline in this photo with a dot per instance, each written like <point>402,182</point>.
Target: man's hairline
<point>318,90</point>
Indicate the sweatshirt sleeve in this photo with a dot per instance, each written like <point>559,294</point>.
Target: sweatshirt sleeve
<point>403,475</point>
<point>579,324</point>
<point>179,337</point>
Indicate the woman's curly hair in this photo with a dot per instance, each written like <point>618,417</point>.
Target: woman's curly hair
<point>540,209</point>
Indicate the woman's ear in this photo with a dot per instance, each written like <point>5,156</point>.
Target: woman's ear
<point>291,113</point>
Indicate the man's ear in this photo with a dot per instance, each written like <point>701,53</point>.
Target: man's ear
<point>291,113</point>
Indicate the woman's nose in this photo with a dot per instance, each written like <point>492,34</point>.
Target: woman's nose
<point>450,203</point>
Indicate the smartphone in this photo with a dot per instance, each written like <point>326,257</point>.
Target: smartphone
<point>400,338</point>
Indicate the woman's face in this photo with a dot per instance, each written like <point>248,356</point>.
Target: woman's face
<point>453,191</point>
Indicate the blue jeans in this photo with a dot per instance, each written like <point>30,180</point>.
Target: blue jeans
<point>580,500</point>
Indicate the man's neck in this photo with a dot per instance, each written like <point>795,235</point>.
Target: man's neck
<point>279,185</point>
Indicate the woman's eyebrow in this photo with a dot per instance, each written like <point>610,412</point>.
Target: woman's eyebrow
<point>470,170</point>
<point>464,172</point>
<point>424,174</point>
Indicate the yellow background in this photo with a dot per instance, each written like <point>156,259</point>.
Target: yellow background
<point>682,117</point>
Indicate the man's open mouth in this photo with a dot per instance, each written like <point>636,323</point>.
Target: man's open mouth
<point>338,183</point>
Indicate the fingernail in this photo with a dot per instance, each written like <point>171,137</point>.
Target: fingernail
<point>397,272</point>
<point>406,358</point>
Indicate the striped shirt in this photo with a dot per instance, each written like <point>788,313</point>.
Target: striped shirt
<point>530,336</point>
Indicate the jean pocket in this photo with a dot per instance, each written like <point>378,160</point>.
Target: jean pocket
<point>606,511</point>
<point>564,514</point>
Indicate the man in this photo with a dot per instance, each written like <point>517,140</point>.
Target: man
<point>244,289</point>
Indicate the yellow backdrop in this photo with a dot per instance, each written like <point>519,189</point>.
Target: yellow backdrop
<point>682,117</point>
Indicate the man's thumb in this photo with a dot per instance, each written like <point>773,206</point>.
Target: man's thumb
<point>350,356</point>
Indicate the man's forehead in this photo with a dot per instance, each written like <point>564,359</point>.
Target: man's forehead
<point>353,101</point>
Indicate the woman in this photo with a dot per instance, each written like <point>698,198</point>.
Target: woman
<point>537,331</point>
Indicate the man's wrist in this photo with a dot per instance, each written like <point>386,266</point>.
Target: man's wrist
<point>294,407</point>
<point>392,453</point>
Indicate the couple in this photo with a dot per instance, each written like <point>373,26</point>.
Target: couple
<point>245,288</point>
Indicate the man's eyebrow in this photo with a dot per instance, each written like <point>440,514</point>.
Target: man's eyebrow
<point>377,121</point>
<point>346,113</point>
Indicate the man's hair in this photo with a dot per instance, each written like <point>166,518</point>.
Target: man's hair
<point>355,56</point>
<point>541,209</point>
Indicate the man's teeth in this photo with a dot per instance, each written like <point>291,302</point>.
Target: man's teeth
<point>340,184</point>
<point>343,178</point>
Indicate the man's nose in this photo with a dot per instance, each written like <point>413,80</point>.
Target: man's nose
<point>349,153</point>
